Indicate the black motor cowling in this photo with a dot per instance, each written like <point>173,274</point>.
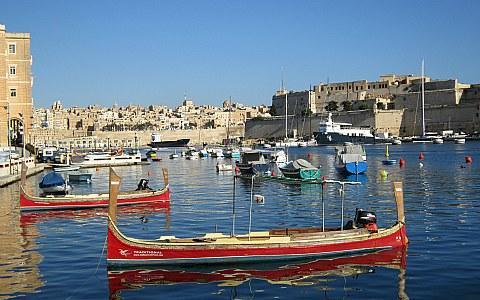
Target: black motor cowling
<point>363,217</point>
<point>143,185</point>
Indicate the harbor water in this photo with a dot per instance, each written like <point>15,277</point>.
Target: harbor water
<point>61,254</point>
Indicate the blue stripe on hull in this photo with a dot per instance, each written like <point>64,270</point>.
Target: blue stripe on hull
<point>241,259</point>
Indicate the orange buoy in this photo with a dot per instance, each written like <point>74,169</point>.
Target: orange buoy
<point>402,162</point>
<point>468,159</point>
<point>421,156</point>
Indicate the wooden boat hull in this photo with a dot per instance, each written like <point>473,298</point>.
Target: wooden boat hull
<point>126,251</point>
<point>28,202</point>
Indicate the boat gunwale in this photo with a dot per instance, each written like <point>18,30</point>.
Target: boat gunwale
<point>94,197</point>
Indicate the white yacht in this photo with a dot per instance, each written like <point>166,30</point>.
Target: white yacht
<point>330,132</point>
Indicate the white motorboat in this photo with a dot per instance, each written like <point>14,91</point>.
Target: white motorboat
<point>107,159</point>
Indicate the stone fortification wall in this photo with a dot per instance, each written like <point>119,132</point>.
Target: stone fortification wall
<point>458,118</point>
<point>41,137</point>
<point>379,120</point>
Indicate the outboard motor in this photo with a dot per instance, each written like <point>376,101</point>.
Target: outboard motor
<point>366,219</point>
<point>143,185</point>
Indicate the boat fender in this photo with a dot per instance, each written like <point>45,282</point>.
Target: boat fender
<point>421,156</point>
<point>402,162</point>
<point>468,159</point>
<point>383,174</point>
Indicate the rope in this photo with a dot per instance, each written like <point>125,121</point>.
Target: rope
<point>94,274</point>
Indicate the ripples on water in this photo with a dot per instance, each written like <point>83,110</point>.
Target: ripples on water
<point>58,255</point>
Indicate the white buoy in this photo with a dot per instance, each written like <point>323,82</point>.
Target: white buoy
<point>420,164</point>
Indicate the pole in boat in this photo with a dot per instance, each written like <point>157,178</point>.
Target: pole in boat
<point>323,204</point>
<point>233,205</point>
<point>114,186</point>
<point>250,212</point>
<point>342,191</point>
<point>423,98</point>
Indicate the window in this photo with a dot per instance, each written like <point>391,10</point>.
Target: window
<point>12,48</point>
<point>12,70</point>
<point>13,92</point>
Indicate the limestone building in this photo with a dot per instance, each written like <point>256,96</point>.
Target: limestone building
<point>15,86</point>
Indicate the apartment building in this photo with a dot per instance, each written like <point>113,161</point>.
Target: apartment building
<point>16,82</point>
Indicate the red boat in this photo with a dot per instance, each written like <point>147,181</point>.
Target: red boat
<point>29,202</point>
<point>298,273</point>
<point>277,244</point>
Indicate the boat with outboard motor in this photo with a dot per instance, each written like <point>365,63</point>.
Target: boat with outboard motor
<point>361,236</point>
<point>142,195</point>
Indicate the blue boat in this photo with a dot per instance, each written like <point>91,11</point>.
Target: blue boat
<point>356,167</point>
<point>53,183</point>
<point>351,159</point>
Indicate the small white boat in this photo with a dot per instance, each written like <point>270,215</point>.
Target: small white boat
<point>438,141</point>
<point>459,141</point>
<point>224,167</point>
<point>397,142</point>
<point>173,155</point>
<point>66,168</point>
<point>80,177</point>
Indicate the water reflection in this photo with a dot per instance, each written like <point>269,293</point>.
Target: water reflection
<point>322,273</point>
<point>19,256</point>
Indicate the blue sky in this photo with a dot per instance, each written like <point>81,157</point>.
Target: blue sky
<point>154,52</point>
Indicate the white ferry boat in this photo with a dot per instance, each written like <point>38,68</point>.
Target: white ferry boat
<point>330,132</point>
<point>100,159</point>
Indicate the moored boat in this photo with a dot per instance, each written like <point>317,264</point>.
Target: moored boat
<point>300,169</point>
<point>54,183</point>
<point>158,142</point>
<point>30,202</point>
<point>101,159</point>
<point>277,244</point>
<point>388,161</point>
<point>351,159</point>
<point>65,168</point>
<point>80,177</point>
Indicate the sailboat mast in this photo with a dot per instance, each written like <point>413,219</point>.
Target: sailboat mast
<point>423,98</point>
<point>228,122</point>
<point>286,115</point>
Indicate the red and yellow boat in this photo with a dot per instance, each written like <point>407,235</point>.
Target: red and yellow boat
<point>30,202</point>
<point>277,244</point>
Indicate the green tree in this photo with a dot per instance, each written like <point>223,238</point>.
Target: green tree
<point>347,105</point>
<point>332,106</point>
<point>306,112</point>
